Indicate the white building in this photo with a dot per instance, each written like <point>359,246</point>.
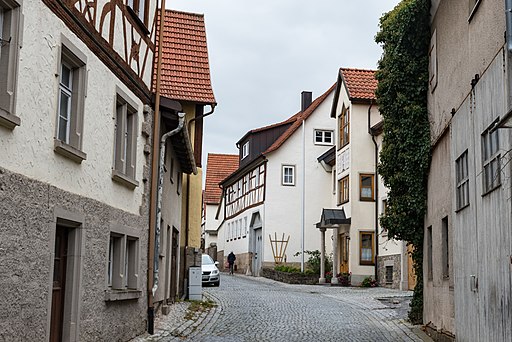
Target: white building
<point>75,85</point>
<point>361,248</point>
<point>278,190</point>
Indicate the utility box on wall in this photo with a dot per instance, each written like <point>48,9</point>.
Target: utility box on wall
<point>195,291</point>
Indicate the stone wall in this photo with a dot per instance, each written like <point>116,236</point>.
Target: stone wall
<point>28,218</point>
<point>390,260</point>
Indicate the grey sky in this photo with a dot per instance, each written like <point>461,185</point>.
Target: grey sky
<point>264,53</point>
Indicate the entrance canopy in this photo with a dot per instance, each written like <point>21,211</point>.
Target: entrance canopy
<point>333,218</point>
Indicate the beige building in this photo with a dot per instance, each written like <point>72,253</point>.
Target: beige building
<point>468,241</point>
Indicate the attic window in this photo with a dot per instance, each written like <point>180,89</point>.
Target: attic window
<point>245,150</point>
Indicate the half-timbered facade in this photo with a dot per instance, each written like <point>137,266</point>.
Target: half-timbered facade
<point>75,117</point>
<point>275,190</point>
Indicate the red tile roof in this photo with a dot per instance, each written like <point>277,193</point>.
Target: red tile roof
<point>185,66</point>
<point>361,84</point>
<point>297,120</point>
<point>218,167</point>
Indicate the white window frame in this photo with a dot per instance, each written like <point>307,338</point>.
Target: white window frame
<point>125,140</point>
<point>320,137</point>
<point>285,177</point>
<point>245,150</point>
<point>69,144</point>
<point>10,33</point>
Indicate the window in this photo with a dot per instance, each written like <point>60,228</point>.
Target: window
<point>323,137</point>
<point>245,150</point>
<point>125,149</point>
<point>491,160</point>
<point>366,186</point>
<point>429,253</point>
<point>366,254</point>
<point>343,190</point>
<point>344,122</point>
<point>462,179</point>
<point>179,182</point>
<point>140,9</point>
<point>70,106</point>
<point>245,227</point>
<point>389,274</point>
<point>123,262</point>
<point>10,14</point>
<point>445,248</point>
<point>288,177</point>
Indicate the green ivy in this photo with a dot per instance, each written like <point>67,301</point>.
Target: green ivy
<point>405,156</point>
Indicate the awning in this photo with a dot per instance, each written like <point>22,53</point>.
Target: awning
<point>332,218</point>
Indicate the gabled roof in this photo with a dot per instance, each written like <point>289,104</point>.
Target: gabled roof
<point>297,120</point>
<point>185,66</point>
<point>218,167</point>
<point>361,85</point>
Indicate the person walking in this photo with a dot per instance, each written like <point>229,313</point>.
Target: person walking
<point>231,261</point>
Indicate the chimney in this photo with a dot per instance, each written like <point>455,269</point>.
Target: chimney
<point>306,98</point>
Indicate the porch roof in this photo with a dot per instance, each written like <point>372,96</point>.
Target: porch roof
<point>331,218</point>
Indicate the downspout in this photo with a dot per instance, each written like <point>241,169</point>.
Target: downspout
<point>187,205</point>
<point>181,117</point>
<point>376,194</point>
<point>303,197</point>
<point>508,16</point>
<point>154,175</point>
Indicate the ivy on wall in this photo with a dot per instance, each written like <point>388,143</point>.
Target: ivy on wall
<point>405,155</point>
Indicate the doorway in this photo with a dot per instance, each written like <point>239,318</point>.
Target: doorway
<point>59,283</point>
<point>257,255</point>
<point>344,253</point>
<point>174,263</point>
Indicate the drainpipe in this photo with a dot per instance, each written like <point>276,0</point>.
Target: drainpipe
<point>376,195</point>
<point>154,175</point>
<point>181,117</point>
<point>187,205</point>
<point>508,15</point>
<point>303,197</point>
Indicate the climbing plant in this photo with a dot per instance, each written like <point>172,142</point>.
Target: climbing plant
<point>405,156</point>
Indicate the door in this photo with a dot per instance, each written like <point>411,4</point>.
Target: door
<point>344,253</point>
<point>174,263</point>
<point>258,255</point>
<point>59,284</point>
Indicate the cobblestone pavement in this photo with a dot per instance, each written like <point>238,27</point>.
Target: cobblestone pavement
<point>259,309</point>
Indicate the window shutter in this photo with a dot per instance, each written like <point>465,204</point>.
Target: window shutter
<point>120,124</point>
<point>131,155</point>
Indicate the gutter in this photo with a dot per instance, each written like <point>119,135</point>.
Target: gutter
<point>376,194</point>
<point>161,171</point>
<point>154,176</point>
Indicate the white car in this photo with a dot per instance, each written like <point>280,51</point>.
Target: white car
<point>211,274</point>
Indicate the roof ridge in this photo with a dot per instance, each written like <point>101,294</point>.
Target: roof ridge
<point>170,10</point>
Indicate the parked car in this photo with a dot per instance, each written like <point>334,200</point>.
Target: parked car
<point>211,274</point>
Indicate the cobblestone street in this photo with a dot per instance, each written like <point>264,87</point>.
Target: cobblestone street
<point>259,309</point>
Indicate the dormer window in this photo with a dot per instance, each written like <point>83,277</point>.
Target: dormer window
<point>245,150</point>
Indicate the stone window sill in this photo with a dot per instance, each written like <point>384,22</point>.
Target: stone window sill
<point>116,295</point>
<point>69,151</point>
<point>124,180</point>
<point>8,120</point>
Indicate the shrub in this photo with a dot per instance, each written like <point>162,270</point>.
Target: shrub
<point>313,262</point>
<point>287,269</point>
<point>369,282</point>
<point>344,279</point>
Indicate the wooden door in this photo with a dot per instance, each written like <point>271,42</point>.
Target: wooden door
<point>174,263</point>
<point>344,253</point>
<point>59,284</point>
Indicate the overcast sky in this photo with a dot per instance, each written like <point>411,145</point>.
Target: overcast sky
<point>264,53</point>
